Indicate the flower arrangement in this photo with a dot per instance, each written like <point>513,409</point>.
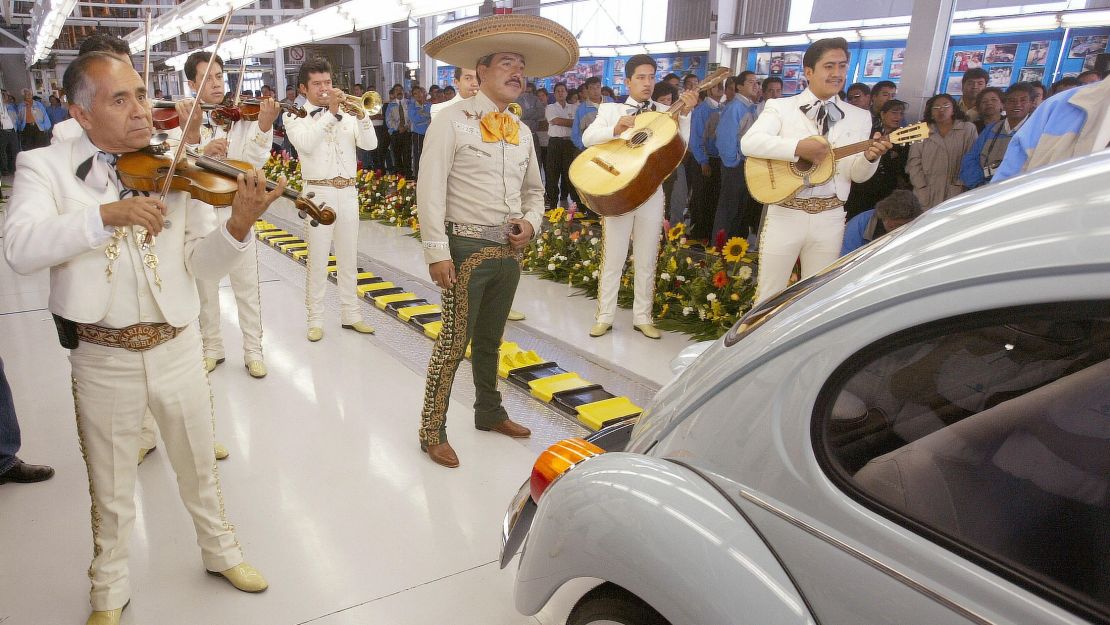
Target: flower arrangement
<point>387,198</point>
<point>282,164</point>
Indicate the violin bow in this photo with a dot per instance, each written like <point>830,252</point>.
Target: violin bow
<point>146,62</point>
<point>180,151</point>
<point>243,65</point>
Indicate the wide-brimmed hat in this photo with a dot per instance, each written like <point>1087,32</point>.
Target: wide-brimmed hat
<point>547,47</point>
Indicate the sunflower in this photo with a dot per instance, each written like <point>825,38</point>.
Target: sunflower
<point>676,231</point>
<point>735,249</point>
<point>555,215</point>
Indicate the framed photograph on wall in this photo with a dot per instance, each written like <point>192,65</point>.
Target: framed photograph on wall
<point>1001,53</point>
<point>963,60</point>
<point>896,69</point>
<point>777,63</point>
<point>1083,46</point>
<point>1090,60</point>
<point>1031,74</point>
<point>1000,76</point>
<point>763,63</point>
<point>955,85</point>
<point>792,58</point>
<point>791,73</point>
<point>873,67</point>
<point>1038,53</point>
<point>898,55</point>
<point>790,87</point>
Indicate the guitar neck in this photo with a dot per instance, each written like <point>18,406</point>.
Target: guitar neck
<point>852,148</point>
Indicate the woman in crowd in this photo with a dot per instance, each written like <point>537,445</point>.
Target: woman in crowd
<point>989,105</point>
<point>934,164</point>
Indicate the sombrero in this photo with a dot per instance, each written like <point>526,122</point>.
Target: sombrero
<point>547,47</point>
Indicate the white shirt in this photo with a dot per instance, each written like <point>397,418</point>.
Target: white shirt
<point>65,130</point>
<point>442,105</point>
<point>6,122</point>
<point>326,144</point>
<point>557,111</point>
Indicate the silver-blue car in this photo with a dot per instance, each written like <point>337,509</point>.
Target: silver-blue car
<point>920,434</point>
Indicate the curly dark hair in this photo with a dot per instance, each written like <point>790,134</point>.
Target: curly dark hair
<point>318,65</point>
<point>957,112</point>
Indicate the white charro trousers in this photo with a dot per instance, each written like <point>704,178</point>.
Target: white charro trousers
<point>790,234</point>
<point>644,226</point>
<point>344,234</point>
<point>112,389</point>
<point>244,284</point>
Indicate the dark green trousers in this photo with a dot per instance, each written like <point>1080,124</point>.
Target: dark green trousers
<point>475,310</point>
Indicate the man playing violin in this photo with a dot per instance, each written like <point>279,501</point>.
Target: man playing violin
<point>326,140</point>
<point>645,223</point>
<point>250,142</point>
<point>125,306</point>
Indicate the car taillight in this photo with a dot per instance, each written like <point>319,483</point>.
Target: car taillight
<point>557,460</point>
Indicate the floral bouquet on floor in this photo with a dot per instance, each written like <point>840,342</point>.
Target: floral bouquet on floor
<point>282,164</point>
<point>702,297</point>
<point>566,251</point>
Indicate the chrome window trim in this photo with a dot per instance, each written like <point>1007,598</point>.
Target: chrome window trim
<point>866,559</point>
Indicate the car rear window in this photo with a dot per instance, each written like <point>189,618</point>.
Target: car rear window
<point>989,434</point>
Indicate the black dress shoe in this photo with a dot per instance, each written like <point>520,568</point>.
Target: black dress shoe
<point>24,473</point>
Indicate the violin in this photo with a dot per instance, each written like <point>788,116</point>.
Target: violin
<point>210,180</point>
<point>248,110</point>
<point>164,113</point>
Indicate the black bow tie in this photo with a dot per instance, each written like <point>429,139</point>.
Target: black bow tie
<point>824,114</point>
<point>646,106</point>
<point>338,116</point>
<point>86,165</point>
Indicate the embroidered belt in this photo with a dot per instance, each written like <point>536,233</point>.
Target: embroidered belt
<point>497,234</point>
<point>134,338</point>
<point>339,182</point>
<point>813,205</point>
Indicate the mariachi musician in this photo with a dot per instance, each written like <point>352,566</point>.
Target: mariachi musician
<point>480,200</point>
<point>250,142</point>
<point>642,224</point>
<point>125,305</point>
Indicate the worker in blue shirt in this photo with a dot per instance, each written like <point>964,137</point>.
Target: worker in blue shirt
<point>586,112</point>
<point>738,115</point>
<point>703,146</point>
<point>420,115</point>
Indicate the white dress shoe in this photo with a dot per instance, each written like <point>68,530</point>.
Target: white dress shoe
<point>256,368</point>
<point>599,329</point>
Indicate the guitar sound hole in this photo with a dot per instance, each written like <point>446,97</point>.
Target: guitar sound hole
<point>803,167</point>
<point>639,138</point>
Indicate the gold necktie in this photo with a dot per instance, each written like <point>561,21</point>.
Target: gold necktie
<point>500,127</point>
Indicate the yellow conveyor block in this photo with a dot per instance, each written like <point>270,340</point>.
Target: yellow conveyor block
<point>294,245</point>
<point>273,235</point>
<point>410,312</point>
<point>597,414</point>
<point>512,357</point>
<point>370,288</point>
<point>382,301</point>
<point>300,254</point>
<point>432,330</point>
<point>365,274</point>
<point>545,388</point>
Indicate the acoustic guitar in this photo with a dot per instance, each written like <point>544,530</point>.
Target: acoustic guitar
<point>772,181</point>
<point>615,177</point>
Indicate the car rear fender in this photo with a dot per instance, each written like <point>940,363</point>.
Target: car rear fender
<point>661,532</point>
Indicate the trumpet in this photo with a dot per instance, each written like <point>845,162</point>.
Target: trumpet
<point>369,103</point>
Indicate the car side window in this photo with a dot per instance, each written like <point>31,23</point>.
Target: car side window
<point>989,434</point>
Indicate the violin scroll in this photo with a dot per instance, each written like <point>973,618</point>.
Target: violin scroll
<point>321,214</point>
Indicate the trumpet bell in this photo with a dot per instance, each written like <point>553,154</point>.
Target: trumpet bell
<point>372,103</point>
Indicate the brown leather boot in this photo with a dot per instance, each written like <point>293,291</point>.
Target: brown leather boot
<point>441,454</point>
<point>509,428</point>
